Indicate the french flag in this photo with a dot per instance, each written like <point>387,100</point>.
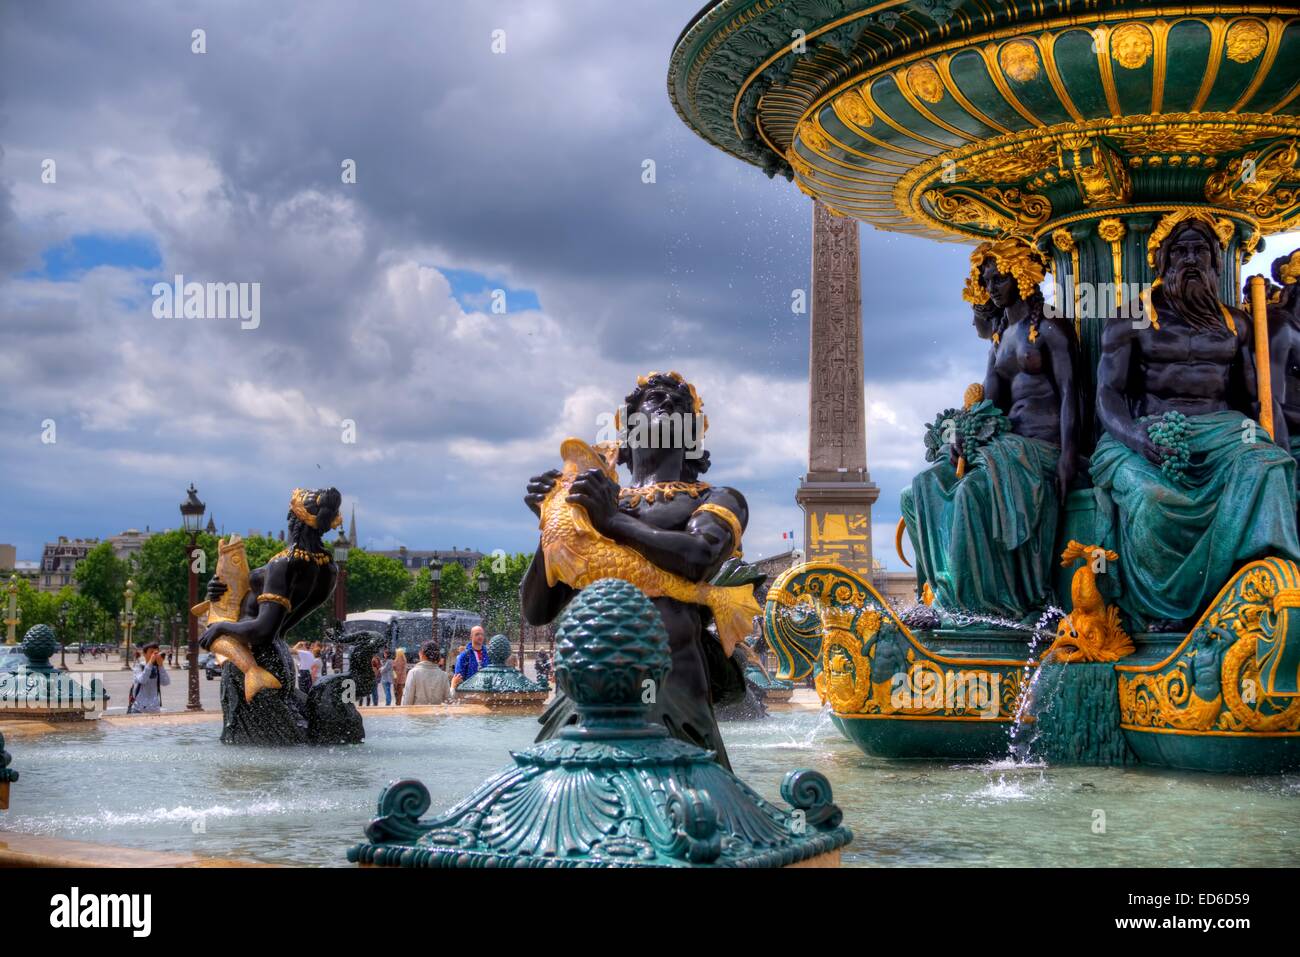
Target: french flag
<point>788,535</point>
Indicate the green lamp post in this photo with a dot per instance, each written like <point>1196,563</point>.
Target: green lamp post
<point>12,615</point>
<point>126,618</point>
<point>192,518</point>
<point>614,790</point>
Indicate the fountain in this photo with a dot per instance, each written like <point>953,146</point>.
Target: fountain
<point>501,687</point>
<point>1140,154</point>
<point>37,689</point>
<point>613,789</point>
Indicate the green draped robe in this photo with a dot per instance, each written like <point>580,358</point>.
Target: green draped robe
<point>1180,541</point>
<point>986,542</point>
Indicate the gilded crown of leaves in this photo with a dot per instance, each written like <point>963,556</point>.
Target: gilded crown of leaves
<point>697,404</point>
<point>298,503</point>
<point>1011,255</point>
<point>1221,228</point>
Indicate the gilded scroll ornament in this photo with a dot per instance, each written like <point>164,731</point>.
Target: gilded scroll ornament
<point>1213,681</point>
<point>810,132</point>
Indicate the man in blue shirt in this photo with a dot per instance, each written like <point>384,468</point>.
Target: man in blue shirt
<point>471,659</point>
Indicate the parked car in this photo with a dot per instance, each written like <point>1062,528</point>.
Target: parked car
<point>208,662</point>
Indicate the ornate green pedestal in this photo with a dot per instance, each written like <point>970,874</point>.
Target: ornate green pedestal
<point>498,685</point>
<point>613,790</point>
<point>42,691</point>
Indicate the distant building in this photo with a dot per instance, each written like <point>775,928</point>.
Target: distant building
<point>126,545</point>
<point>59,560</point>
<point>414,559</point>
<point>8,558</point>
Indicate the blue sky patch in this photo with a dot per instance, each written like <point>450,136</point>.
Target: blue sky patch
<point>473,291</point>
<point>80,254</point>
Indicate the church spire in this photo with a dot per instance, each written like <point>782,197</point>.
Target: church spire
<point>352,527</point>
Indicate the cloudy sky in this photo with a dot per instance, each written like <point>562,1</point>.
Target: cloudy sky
<point>475,171</point>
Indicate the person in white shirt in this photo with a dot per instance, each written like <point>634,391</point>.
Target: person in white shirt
<point>149,678</point>
<point>426,682</point>
<point>307,665</point>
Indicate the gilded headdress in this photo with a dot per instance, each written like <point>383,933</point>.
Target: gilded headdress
<point>298,503</point>
<point>697,404</point>
<point>1222,229</point>
<point>1011,255</point>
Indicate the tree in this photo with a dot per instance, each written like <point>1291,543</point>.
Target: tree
<point>101,576</point>
<point>455,589</point>
<point>164,568</point>
<point>505,574</point>
<point>374,581</point>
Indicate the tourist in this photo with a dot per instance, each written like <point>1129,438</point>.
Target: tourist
<point>318,670</point>
<point>385,677</point>
<point>149,677</point>
<point>542,666</point>
<point>426,682</point>
<point>306,663</point>
<point>399,673</point>
<point>375,668</point>
<point>472,658</point>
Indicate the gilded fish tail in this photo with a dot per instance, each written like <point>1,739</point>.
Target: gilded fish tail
<point>256,678</point>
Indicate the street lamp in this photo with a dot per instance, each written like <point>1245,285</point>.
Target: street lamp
<point>435,594</point>
<point>126,618</point>
<point>12,615</point>
<point>63,636</point>
<point>192,518</point>
<point>341,587</point>
<point>483,584</point>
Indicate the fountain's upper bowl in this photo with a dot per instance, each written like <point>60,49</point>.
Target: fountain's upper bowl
<point>959,119</point>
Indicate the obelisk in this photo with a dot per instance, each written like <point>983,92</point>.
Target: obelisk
<point>837,492</point>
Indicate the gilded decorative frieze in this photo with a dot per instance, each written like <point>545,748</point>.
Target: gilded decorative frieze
<point>1226,677</point>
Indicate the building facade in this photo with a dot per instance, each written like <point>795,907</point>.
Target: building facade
<point>59,560</point>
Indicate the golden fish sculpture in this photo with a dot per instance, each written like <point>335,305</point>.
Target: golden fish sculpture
<point>578,555</point>
<point>232,568</point>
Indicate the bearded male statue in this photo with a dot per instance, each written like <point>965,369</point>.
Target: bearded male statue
<point>1189,486</point>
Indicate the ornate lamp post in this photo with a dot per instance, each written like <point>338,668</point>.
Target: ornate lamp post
<point>63,636</point>
<point>341,588</point>
<point>483,584</point>
<point>192,517</point>
<point>176,638</point>
<point>127,620</point>
<point>435,588</point>
<point>12,615</point>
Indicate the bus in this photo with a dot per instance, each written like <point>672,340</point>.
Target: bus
<point>411,629</point>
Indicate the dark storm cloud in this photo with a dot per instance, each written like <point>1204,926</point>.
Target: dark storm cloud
<point>525,166</point>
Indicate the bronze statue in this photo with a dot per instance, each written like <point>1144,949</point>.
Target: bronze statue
<point>983,519</point>
<point>667,532</point>
<point>1284,342</point>
<point>1190,485</point>
<point>280,594</point>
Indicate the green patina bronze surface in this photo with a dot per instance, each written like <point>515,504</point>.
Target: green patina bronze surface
<point>40,689</point>
<point>614,790</point>
<point>498,678</point>
<point>986,543</point>
<point>1074,717</point>
<point>1178,559</point>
